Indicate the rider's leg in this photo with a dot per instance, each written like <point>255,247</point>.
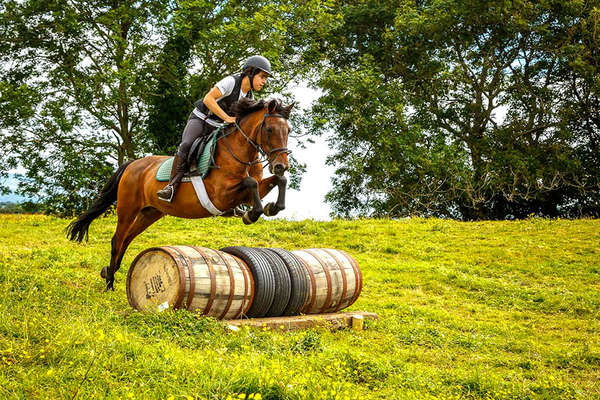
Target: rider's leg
<point>195,127</point>
<point>177,172</point>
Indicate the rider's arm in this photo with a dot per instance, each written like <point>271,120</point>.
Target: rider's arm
<point>210,100</point>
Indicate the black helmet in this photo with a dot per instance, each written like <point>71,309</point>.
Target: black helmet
<point>259,62</point>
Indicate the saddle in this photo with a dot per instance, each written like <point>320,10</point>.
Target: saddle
<point>200,159</point>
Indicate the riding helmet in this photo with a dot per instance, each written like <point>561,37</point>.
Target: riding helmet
<point>259,62</point>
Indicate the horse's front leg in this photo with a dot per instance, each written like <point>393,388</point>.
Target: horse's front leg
<point>252,215</point>
<point>265,187</point>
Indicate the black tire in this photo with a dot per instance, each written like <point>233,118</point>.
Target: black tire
<point>283,285</point>
<point>264,279</point>
<point>298,278</point>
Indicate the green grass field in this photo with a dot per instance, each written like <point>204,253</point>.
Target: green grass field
<point>484,310</point>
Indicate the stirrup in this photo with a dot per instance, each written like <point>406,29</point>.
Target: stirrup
<point>160,197</point>
<point>239,211</point>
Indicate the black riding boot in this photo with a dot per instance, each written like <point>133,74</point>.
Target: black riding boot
<point>177,172</point>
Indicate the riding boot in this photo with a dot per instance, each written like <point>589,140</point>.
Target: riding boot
<point>177,172</point>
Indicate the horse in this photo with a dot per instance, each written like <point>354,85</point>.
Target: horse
<point>261,129</point>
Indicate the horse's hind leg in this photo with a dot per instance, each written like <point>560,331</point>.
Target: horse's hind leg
<point>125,219</point>
<point>143,220</point>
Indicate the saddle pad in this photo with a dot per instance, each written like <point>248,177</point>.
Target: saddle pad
<point>202,168</point>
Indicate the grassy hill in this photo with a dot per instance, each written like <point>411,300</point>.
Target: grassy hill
<point>485,310</point>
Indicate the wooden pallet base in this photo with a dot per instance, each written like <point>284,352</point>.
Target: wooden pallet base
<point>352,320</point>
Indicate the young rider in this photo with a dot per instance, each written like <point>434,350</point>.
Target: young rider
<point>213,111</point>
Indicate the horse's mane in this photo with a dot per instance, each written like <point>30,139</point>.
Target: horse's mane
<point>245,106</point>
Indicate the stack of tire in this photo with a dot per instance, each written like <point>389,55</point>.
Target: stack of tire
<point>243,282</point>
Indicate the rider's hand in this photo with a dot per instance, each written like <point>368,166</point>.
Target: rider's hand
<point>229,120</point>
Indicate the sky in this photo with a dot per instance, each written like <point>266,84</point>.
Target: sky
<point>12,184</point>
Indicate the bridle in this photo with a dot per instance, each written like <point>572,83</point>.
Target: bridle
<point>258,147</point>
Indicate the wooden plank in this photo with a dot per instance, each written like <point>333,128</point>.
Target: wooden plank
<point>332,321</point>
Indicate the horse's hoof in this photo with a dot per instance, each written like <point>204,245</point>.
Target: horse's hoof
<point>246,219</point>
<point>270,210</point>
<point>103,272</point>
<point>109,285</point>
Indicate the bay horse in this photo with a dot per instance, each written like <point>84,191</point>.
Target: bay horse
<point>261,128</point>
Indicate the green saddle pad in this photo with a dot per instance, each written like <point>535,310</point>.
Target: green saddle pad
<point>202,168</point>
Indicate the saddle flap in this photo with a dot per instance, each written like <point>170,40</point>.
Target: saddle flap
<point>196,149</point>
<point>202,160</point>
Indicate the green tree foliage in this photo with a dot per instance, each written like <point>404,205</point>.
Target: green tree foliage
<point>470,109</point>
<point>76,76</point>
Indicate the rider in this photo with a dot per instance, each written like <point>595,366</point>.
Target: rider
<point>213,111</point>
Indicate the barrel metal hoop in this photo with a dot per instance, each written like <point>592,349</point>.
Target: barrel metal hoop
<point>309,303</point>
<point>192,292</point>
<point>213,283</point>
<point>244,274</point>
<point>357,276</point>
<point>231,285</point>
<point>327,276</point>
<point>247,273</point>
<point>344,283</point>
<point>181,262</point>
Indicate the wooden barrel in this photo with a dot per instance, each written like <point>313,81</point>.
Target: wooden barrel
<point>335,280</point>
<point>209,281</point>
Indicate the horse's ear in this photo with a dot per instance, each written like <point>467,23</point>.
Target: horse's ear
<point>272,106</point>
<point>288,109</point>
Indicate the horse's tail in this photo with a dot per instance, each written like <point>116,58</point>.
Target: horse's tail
<point>78,229</point>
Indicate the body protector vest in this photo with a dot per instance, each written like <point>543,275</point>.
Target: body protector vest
<point>226,102</point>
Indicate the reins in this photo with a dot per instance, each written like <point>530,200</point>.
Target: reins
<point>257,147</point>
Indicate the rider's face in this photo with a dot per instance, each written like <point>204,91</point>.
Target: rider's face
<point>259,80</point>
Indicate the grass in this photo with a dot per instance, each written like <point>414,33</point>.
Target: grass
<point>483,310</point>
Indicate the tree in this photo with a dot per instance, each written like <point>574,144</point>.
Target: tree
<point>84,68</point>
<point>580,68</point>
<point>417,97</point>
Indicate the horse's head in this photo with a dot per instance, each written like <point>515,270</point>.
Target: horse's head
<point>273,134</point>
<point>270,129</point>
